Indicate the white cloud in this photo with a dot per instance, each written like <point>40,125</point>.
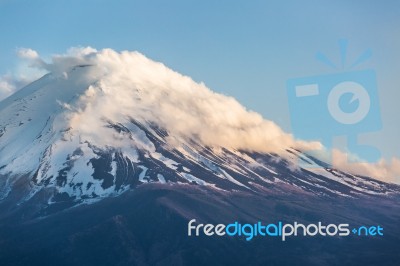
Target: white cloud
<point>7,86</point>
<point>10,83</point>
<point>74,56</point>
<point>27,53</point>
<point>382,170</point>
<point>28,69</point>
<point>131,85</point>
<point>31,67</point>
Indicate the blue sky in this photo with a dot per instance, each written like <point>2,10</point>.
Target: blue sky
<point>246,49</point>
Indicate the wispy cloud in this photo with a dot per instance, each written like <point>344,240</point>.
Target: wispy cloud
<point>382,170</point>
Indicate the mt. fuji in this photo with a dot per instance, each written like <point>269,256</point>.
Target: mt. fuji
<point>115,140</point>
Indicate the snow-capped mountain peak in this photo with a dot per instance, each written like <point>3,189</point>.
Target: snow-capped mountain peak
<point>118,120</point>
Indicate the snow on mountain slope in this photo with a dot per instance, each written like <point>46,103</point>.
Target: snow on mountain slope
<point>28,119</point>
<point>115,121</point>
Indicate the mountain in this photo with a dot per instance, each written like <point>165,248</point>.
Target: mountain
<point>105,160</point>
